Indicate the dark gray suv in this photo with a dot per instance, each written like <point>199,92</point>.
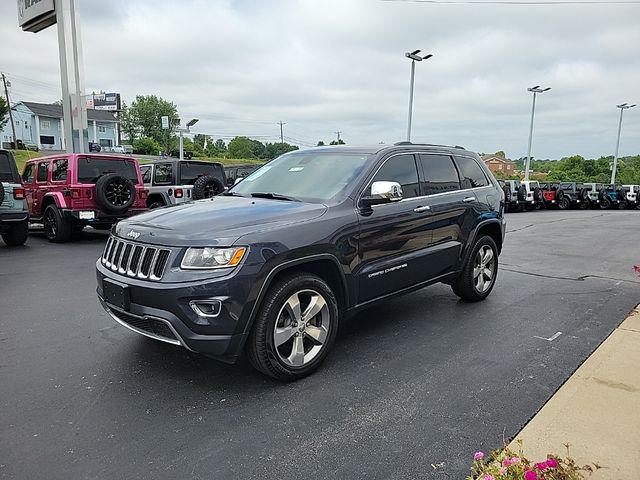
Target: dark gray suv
<point>273,265</point>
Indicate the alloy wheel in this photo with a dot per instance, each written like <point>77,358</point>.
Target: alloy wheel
<point>484,269</point>
<point>118,192</point>
<point>50,224</point>
<point>301,328</point>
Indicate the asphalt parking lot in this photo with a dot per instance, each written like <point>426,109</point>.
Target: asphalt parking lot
<point>413,387</point>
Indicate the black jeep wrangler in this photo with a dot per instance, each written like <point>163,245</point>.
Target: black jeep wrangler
<point>272,266</point>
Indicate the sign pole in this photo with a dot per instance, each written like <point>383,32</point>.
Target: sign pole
<point>73,103</point>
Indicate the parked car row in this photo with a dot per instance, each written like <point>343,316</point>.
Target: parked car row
<point>67,192</point>
<point>534,195</point>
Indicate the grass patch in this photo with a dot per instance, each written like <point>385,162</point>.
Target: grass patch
<point>22,156</point>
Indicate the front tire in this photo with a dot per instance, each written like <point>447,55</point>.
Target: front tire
<point>295,327</point>
<point>56,228</point>
<point>17,235</point>
<point>564,203</point>
<point>478,275</point>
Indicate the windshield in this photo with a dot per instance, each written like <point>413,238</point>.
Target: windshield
<point>314,177</point>
<point>91,169</point>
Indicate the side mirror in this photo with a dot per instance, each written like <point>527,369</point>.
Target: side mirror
<point>382,192</point>
<point>230,182</point>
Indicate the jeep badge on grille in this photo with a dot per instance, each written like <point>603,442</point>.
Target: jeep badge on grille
<point>133,234</point>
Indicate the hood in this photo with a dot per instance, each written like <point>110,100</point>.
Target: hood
<point>214,221</point>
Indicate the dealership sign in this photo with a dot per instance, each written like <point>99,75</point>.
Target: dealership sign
<point>36,15</point>
<point>105,101</point>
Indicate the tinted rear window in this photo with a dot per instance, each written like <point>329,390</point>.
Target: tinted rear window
<point>471,174</point>
<point>90,169</point>
<point>8,172</point>
<point>189,172</point>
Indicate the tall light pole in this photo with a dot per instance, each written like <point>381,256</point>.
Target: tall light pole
<point>622,107</point>
<point>535,91</point>
<point>182,131</point>
<point>414,58</point>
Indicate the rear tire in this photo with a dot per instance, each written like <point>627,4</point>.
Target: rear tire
<point>623,205</point>
<point>605,203</point>
<point>282,341</point>
<point>480,267</point>
<point>17,235</point>
<point>564,204</point>
<point>56,228</point>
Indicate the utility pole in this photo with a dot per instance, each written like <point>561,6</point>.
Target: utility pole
<point>13,125</point>
<point>338,134</point>
<point>281,133</point>
<point>414,57</point>
<point>535,90</point>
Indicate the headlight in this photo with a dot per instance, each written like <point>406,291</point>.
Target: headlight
<point>210,257</point>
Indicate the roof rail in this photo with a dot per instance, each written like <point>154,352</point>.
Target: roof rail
<point>405,142</point>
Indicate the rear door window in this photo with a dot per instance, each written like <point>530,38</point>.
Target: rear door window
<point>163,174</point>
<point>471,175</point>
<point>190,172</point>
<point>90,169</point>
<point>145,171</point>
<point>41,176</point>
<point>439,174</point>
<point>401,169</point>
<point>59,170</point>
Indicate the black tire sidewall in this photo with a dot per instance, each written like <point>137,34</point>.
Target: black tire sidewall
<point>261,338</point>
<point>564,204</point>
<point>63,228</point>
<point>17,235</point>
<point>198,191</point>
<point>1,192</point>
<point>101,199</point>
<point>464,287</point>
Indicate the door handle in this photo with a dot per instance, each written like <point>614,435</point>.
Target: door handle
<point>469,199</point>
<point>424,209</point>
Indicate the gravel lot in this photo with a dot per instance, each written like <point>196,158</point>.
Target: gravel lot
<point>414,386</point>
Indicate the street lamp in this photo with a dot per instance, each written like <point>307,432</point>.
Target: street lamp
<point>414,58</point>
<point>622,107</point>
<point>190,123</point>
<point>535,91</point>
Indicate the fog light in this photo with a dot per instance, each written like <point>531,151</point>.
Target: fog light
<point>206,308</point>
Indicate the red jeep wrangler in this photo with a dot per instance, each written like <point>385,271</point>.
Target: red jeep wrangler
<point>70,191</point>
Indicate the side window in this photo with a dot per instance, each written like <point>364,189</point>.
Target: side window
<point>471,175</point>
<point>401,169</point>
<point>42,171</point>
<point>163,173</point>
<point>59,171</point>
<point>440,174</point>
<point>146,173</point>
<point>27,175</point>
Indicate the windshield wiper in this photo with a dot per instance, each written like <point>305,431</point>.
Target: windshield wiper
<point>232,194</point>
<point>274,196</point>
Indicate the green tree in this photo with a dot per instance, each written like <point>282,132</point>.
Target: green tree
<point>146,115</point>
<point>501,154</point>
<point>146,146</point>
<point>4,112</point>
<point>199,140</point>
<point>337,142</point>
<point>244,147</point>
<point>273,150</point>
<point>128,125</point>
<point>217,148</point>
<point>320,143</point>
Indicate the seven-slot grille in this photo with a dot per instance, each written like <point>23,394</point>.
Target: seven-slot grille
<point>135,260</point>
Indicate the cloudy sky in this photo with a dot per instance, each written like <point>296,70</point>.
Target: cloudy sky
<point>322,66</point>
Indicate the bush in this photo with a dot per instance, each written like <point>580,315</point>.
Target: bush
<point>507,465</point>
<point>146,146</point>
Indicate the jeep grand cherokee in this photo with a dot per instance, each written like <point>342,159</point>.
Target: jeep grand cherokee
<point>273,265</point>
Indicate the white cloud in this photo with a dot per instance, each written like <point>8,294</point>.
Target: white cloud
<point>322,66</point>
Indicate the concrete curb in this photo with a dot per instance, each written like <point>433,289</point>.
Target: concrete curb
<point>597,410</point>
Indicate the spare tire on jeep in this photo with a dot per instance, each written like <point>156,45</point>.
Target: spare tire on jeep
<point>522,193</point>
<point>538,196</point>
<point>115,193</point>
<point>1,192</point>
<point>207,186</point>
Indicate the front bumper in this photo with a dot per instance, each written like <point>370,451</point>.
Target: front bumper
<point>163,311</point>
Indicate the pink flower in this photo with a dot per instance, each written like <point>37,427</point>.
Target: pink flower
<point>530,475</point>
<point>506,462</point>
<point>552,463</point>
<point>503,471</point>
<point>515,460</point>
<point>478,456</point>
<point>488,477</point>
<point>542,466</point>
